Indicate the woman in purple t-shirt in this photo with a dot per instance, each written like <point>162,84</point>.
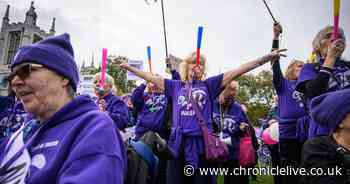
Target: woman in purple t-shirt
<point>291,111</point>
<point>186,137</point>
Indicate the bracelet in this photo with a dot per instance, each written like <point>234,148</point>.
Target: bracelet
<point>326,69</point>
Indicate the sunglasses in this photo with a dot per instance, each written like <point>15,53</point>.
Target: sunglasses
<point>23,71</point>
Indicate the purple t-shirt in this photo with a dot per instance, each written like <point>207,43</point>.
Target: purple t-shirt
<point>152,115</point>
<point>185,128</point>
<point>340,79</point>
<point>232,117</point>
<point>290,104</point>
<point>204,92</point>
<point>289,100</point>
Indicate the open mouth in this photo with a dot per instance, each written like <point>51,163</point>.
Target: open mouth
<point>23,95</point>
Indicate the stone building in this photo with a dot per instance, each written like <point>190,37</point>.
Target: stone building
<point>15,35</point>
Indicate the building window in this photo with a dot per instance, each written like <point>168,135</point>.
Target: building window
<point>14,38</point>
<point>36,38</point>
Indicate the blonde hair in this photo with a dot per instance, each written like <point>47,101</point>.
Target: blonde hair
<point>289,75</point>
<point>312,58</point>
<point>191,59</point>
<point>316,43</point>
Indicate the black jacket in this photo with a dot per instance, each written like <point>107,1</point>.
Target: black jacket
<point>323,152</point>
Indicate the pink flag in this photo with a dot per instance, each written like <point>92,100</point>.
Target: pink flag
<point>103,67</point>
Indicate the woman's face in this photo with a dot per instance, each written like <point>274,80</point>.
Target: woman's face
<point>326,41</point>
<point>40,90</point>
<point>232,89</point>
<point>297,69</point>
<point>107,87</point>
<point>196,72</point>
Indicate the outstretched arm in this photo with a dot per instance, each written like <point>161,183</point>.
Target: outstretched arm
<point>155,79</point>
<point>234,73</point>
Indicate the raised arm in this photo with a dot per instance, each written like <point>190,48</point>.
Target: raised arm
<point>234,73</point>
<point>155,79</point>
<point>319,85</point>
<point>276,68</point>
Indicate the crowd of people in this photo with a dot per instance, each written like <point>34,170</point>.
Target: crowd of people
<point>49,134</point>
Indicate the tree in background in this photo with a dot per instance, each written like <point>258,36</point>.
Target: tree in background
<point>256,92</point>
<point>120,76</point>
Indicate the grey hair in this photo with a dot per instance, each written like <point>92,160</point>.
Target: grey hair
<point>316,43</point>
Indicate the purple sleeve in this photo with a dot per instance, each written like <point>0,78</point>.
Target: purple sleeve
<point>307,73</point>
<point>171,87</point>
<point>214,86</point>
<point>97,154</point>
<point>137,97</point>
<point>175,75</point>
<point>119,112</point>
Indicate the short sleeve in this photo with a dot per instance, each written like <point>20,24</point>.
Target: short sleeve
<point>214,86</point>
<point>171,87</point>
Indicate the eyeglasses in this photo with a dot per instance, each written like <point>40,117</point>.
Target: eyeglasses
<point>23,71</point>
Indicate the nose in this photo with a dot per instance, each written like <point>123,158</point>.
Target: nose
<point>15,82</point>
<point>197,66</point>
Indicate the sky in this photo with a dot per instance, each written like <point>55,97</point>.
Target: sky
<point>235,31</point>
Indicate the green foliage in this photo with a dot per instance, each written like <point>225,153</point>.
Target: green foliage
<point>256,92</point>
<point>90,71</point>
<point>119,75</point>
